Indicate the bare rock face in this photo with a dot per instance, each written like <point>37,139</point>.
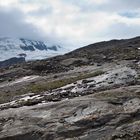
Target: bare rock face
<point>98,116</point>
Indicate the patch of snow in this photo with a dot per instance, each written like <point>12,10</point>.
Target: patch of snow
<point>26,98</point>
<point>24,79</point>
<point>77,89</point>
<point>116,76</point>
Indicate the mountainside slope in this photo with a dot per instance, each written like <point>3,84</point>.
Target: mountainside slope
<point>92,93</point>
<point>110,50</point>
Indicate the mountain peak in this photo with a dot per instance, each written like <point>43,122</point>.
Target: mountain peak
<point>32,50</point>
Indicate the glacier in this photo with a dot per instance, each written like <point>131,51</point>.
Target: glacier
<point>30,49</point>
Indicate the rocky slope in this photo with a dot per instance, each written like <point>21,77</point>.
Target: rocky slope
<point>109,115</point>
<point>92,93</point>
<point>11,61</point>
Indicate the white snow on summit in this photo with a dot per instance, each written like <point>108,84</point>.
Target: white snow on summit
<point>33,50</point>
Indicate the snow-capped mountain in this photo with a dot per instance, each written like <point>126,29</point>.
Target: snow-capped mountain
<point>30,49</point>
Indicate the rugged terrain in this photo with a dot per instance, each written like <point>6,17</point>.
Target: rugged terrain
<point>92,93</point>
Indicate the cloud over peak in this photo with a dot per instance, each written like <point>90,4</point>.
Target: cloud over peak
<point>71,23</point>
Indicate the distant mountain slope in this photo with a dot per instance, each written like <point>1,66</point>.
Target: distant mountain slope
<point>30,49</point>
<point>11,61</point>
<point>124,49</point>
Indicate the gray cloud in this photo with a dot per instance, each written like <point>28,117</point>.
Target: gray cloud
<point>109,6</point>
<point>120,5</point>
<point>121,30</point>
<point>12,24</point>
<point>71,23</point>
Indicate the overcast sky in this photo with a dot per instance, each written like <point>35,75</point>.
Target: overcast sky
<point>71,23</point>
